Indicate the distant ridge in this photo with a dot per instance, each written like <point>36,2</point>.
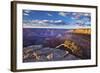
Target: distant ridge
<point>82,31</point>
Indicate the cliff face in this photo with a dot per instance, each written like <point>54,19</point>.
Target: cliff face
<point>47,39</point>
<point>82,31</point>
<point>38,53</point>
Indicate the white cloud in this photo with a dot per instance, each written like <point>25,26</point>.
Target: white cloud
<point>35,20</point>
<point>88,22</point>
<point>27,11</point>
<point>80,14</point>
<point>49,14</point>
<point>74,13</point>
<point>86,14</point>
<point>51,21</point>
<point>45,20</point>
<point>62,14</point>
<point>73,18</point>
<point>39,21</point>
<point>42,22</point>
<point>58,21</point>
<point>80,22</point>
<point>26,14</point>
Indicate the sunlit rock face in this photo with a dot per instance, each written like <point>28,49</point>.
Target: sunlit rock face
<point>82,31</point>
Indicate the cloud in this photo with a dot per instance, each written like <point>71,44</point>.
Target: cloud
<point>88,23</point>
<point>51,21</point>
<point>46,21</point>
<point>62,14</point>
<point>26,14</point>
<point>42,22</point>
<point>27,11</point>
<point>39,21</point>
<point>80,21</point>
<point>74,13</point>
<point>58,21</point>
<point>77,15</point>
<point>49,14</point>
<point>55,22</point>
<point>87,14</point>
<point>73,18</point>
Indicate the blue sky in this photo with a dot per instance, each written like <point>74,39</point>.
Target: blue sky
<point>35,17</point>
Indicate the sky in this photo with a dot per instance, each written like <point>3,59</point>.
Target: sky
<point>56,18</point>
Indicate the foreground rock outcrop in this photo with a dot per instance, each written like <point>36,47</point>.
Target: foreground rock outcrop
<point>36,53</point>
